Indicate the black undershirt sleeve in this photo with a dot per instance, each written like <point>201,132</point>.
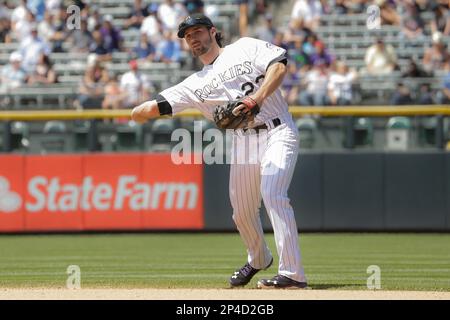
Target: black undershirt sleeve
<point>164,107</point>
<point>281,59</point>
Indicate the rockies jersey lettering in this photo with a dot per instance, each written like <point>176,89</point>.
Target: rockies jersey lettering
<point>237,72</point>
<point>227,75</point>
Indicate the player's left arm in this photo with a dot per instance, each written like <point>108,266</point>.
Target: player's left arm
<point>272,80</point>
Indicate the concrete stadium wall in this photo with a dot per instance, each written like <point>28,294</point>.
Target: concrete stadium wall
<point>354,191</point>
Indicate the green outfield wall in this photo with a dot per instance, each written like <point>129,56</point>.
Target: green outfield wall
<point>353,191</point>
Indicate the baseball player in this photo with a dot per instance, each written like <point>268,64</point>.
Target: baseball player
<point>250,70</point>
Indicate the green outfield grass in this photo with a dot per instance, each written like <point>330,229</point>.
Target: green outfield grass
<point>332,261</point>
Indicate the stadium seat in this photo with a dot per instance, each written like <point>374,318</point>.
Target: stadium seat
<point>363,132</point>
<point>129,136</point>
<point>159,135</point>
<point>20,136</point>
<point>307,128</point>
<point>53,138</point>
<point>107,135</point>
<point>358,132</point>
<point>398,133</point>
<point>427,131</point>
<point>80,136</point>
<point>54,127</point>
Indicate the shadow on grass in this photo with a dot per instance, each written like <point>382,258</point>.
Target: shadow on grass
<point>323,286</point>
<point>318,286</point>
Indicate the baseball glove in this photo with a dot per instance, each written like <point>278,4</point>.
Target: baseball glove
<point>225,118</point>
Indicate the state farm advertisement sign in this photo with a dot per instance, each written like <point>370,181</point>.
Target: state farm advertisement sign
<point>99,192</point>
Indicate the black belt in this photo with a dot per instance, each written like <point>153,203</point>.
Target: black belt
<point>276,122</point>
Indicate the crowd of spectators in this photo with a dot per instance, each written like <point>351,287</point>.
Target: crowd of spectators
<point>40,28</point>
<point>26,24</point>
<point>315,77</point>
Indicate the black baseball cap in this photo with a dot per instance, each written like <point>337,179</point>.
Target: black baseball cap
<point>194,20</point>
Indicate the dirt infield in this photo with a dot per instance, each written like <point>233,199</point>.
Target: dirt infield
<point>213,294</point>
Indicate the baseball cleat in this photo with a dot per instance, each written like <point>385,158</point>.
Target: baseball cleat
<point>243,276</point>
<point>280,282</point>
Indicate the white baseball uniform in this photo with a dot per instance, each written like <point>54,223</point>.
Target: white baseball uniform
<point>236,72</point>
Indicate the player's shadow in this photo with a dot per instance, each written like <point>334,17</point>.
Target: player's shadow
<point>321,286</point>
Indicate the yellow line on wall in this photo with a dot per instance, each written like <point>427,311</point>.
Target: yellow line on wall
<point>369,111</point>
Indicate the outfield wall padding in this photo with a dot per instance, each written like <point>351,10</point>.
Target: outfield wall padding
<point>415,195</point>
<point>330,191</point>
<point>354,191</point>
